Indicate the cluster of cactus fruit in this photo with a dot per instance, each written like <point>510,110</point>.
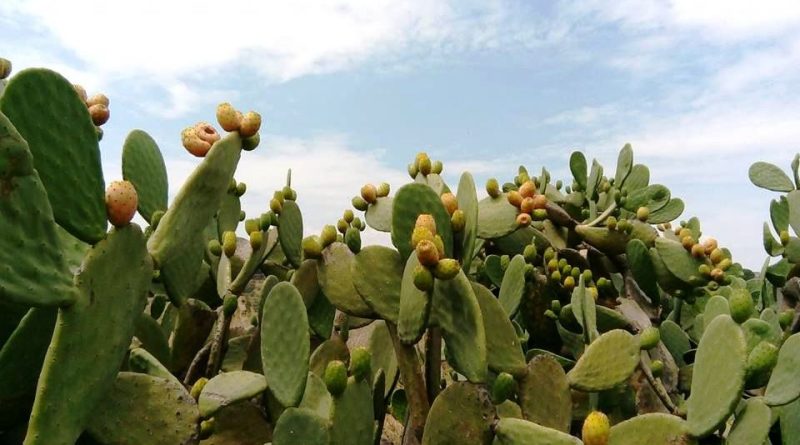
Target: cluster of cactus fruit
<point>538,314</point>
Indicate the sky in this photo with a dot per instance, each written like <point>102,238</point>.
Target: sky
<point>349,91</point>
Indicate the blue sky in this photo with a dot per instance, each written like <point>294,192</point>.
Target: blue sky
<point>350,91</point>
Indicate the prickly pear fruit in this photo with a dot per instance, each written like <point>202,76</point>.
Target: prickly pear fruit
<point>649,337</point>
<point>229,305</point>
<point>424,166</point>
<point>348,216</point>
<point>327,236</point>
<point>229,243</point>
<point>716,255</point>
<point>99,114</point>
<point>207,428</point>
<point>241,189</point>
<point>197,388</point>
<point>214,247</point>
<point>741,305</point>
<point>227,118</point>
<point>359,203</point>
<point>786,318</point>
<point>335,377</point>
<point>446,269</point>
<point>493,188</point>
<point>523,220</point>
<point>529,253</point>
<point>514,198</point>
<point>256,238</point>
<point>426,220</point>
<point>698,251</point>
<point>250,124</point>
<point>527,205</point>
<point>412,170</point>
<point>420,234</point>
<point>369,193</point>
<point>383,189</point>
<point>439,243</point>
<point>312,248</point>
<point>249,144</point>
<point>437,167</point>
<point>502,388</point>
<point>642,213</point>
<point>784,236</point>
<point>427,254</point>
<point>596,429</point>
<point>342,226</point>
<point>121,202</point>
<point>97,99</point>
<point>458,220</point>
<point>352,237</point>
<point>762,358</point>
<point>360,363</point>
<point>423,278</point>
<point>252,225</point>
<point>450,202</point>
<point>527,189</point>
<point>80,90</point>
<point>193,144</point>
<point>657,368</point>
<point>206,132</point>
<point>539,214</point>
<point>5,68</point>
<point>276,206</point>
<point>569,283</point>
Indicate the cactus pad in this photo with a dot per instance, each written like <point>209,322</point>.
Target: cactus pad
<point>352,416</point>
<point>335,277</point>
<point>54,121</point>
<point>513,286</point>
<point>651,429</point>
<point>544,394</point>
<point>415,306</point>
<point>752,424</point>
<point>519,432</point>
<point>300,426</point>
<point>503,350</point>
<point>290,232</point>
<point>141,409</point>
<point>642,268</point>
<point>379,214</point>
<point>463,414</point>
<point>607,362</point>
<point>377,272</point>
<point>678,261</point>
<point>468,203</point>
<point>228,388</point>
<point>285,344</point>
<point>496,217</point>
<point>784,387</point>
<point>143,165</point>
<point>718,376</point>
<point>316,396</point>
<point>382,355</point>
<point>411,201</point>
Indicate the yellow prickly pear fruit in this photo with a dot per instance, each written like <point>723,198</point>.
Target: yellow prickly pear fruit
<point>312,248</point>
<point>348,216</point>
<point>514,198</point>
<point>229,243</point>
<point>5,68</point>
<point>206,132</point>
<point>276,206</point>
<point>99,114</point>
<point>725,264</point>
<point>250,124</point>
<point>592,291</point>
<point>424,166</point>
<point>256,239</point>
<point>642,213</point>
<point>493,188</point>
<point>710,244</point>
<point>439,243</point>
<point>121,202</point>
<point>523,220</point>
<point>197,388</point>
<point>369,193</point>
<point>423,278</point>
<point>419,234</point>
<point>687,242</point>
<point>458,221</point>
<point>527,189</point>
<point>526,206</point>
<point>569,283</point>
<point>342,226</point>
<point>227,117</point>
<point>446,269</point>
<point>596,429</point>
<point>716,255</point>
<point>327,236</point>
<point>252,225</point>
<point>427,254</point>
<point>698,251</point>
<point>383,189</point>
<point>450,202</point>
<point>539,202</point>
<point>426,220</point>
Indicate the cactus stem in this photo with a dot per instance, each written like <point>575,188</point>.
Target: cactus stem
<point>659,389</point>
<point>414,384</point>
<point>603,215</point>
<point>433,362</point>
<point>218,343</point>
<point>193,373</point>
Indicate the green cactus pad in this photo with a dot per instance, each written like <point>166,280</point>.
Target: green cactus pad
<point>641,266</point>
<point>544,394</point>
<point>595,174</point>
<point>651,429</point>
<point>321,316</point>
<point>285,344</point>
<point>227,216</point>
<point>63,141</point>
<point>21,360</point>
<point>784,386</point>
<point>624,165</point>
<point>143,165</point>
<point>678,261</point>
<point>456,310</point>
<point>503,350</point>
<point>140,409</point>
<point>192,327</point>
<point>415,306</point>
<point>585,311</point>
<point>718,376</point>
<point>521,432</point>
<point>177,243</point>
<point>290,232</point>
<point>752,424</point>
<point>379,215</point>
<point>675,339</point>
<point>653,197</point>
<point>462,414</point>
<point>33,269</point>
<point>352,415</point>
<point>332,349</point>
<point>606,363</point>
<point>670,212</point>
<point>715,306</point>
<point>607,319</point>
<point>611,242</point>
<point>411,201</point>
<point>770,177</point>
<point>638,178</point>
<point>779,214</point>
<point>97,328</point>
<point>316,396</point>
<point>493,269</point>
<point>335,277</point>
<point>382,354</point>
<point>377,273</point>
<point>496,217</point>
<point>228,388</point>
<point>300,426</point>
<point>468,203</point>
<point>578,167</point>
<point>141,361</point>
<point>513,286</point>
<point>306,281</point>
<point>152,338</point>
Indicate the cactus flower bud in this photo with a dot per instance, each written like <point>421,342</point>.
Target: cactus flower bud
<point>450,202</point>
<point>596,429</point>
<point>360,363</point>
<point>427,254</point>
<point>336,377</point>
<point>342,226</point>
<point>250,124</point>
<point>241,189</point>
<point>369,193</point>
<point>227,117</point>
<point>413,170</point>
<point>121,202</point>
<point>229,243</point>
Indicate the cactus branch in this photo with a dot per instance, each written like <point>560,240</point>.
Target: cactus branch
<point>218,343</point>
<point>658,388</point>
<point>414,384</point>
<point>193,373</point>
<point>433,361</point>
<point>603,215</point>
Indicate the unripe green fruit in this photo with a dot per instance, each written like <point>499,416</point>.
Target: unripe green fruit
<point>576,273</point>
<point>427,253</point>
<point>550,314</point>
<point>360,363</point>
<point>437,167</point>
<point>567,270</point>
<point>250,144</point>
<point>357,223</point>
<point>252,225</point>
<point>229,243</point>
<point>328,236</point>
<point>287,193</point>
<point>352,237</point>
<point>622,225</point>
<point>250,124</point>
<point>603,283</point>
<point>383,189</point>
<point>242,215</point>
<point>587,276</point>
<point>556,276</point>
<point>458,221</point>
<point>549,254</point>
<point>493,188</point>
<point>446,269</point>
<point>657,368</point>
<point>529,271</point>
<point>348,216</point>
<point>241,189</point>
<point>276,206</point>
<point>611,223</point>
<point>741,305</point>
<point>369,193</point>
<point>505,260</point>
<point>425,166</point>
<point>413,170</point>
<point>786,318</point>
<point>502,388</point>
<point>555,306</point>
<point>359,203</point>
<point>704,270</point>
<point>265,220</point>
<point>649,338</point>
<point>437,241</point>
<point>197,388</point>
<point>529,253</point>
<point>642,213</point>
<point>229,305</point>
<point>214,247</point>
<point>5,68</point>
<point>596,429</point>
<point>227,117</point>
<point>423,278</point>
<point>762,358</point>
<point>256,239</point>
<point>336,377</point>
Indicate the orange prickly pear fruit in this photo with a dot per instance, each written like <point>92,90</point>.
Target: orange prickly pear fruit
<point>227,117</point>
<point>121,202</point>
<point>250,124</point>
<point>450,203</point>
<point>426,220</point>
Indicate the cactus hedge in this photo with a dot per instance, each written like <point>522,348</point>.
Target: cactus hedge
<point>531,311</point>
